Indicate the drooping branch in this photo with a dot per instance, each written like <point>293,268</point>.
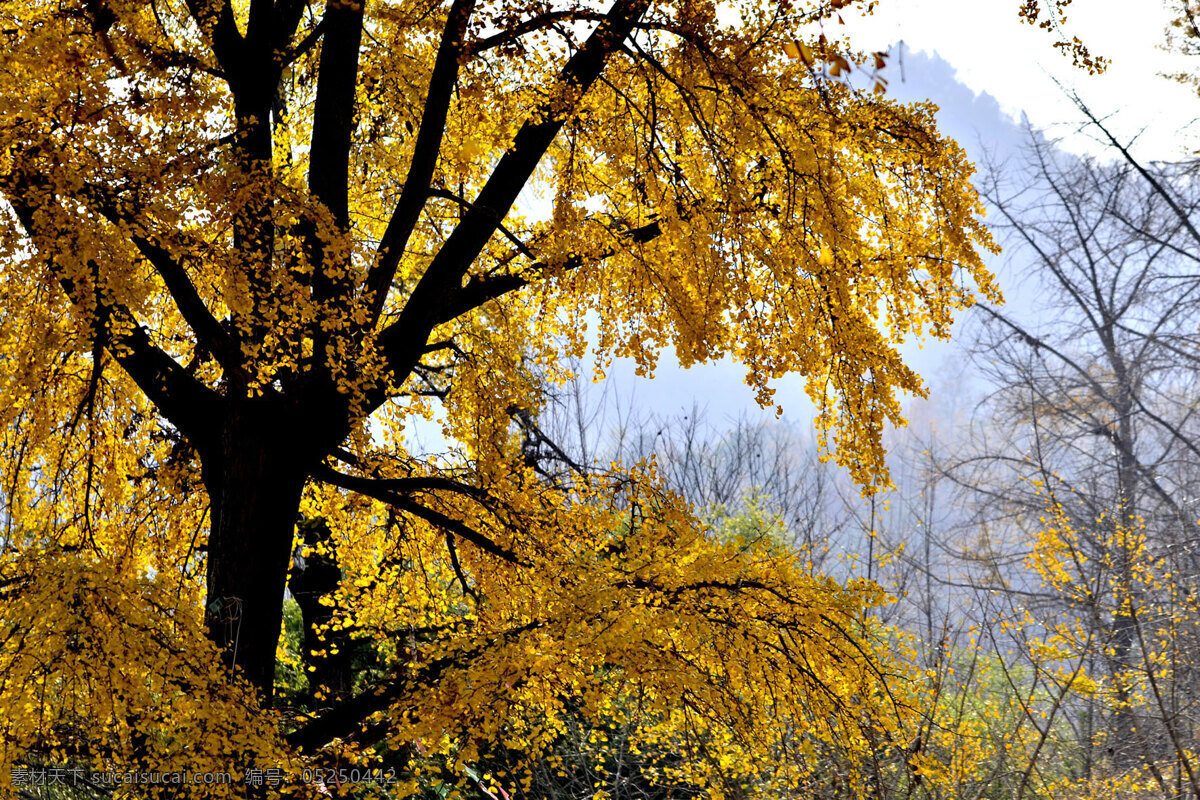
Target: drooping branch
<point>348,719</point>
<point>372,488</point>
<point>456,527</point>
<point>535,436</point>
<point>456,565</point>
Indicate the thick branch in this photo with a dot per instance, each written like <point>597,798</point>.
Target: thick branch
<point>531,25</point>
<point>298,50</point>
<point>209,333</point>
<point>333,111</point>
<point>289,12</point>
<point>430,483</point>
<point>437,288</point>
<point>425,154</point>
<point>217,22</point>
<point>187,403</point>
<point>259,22</point>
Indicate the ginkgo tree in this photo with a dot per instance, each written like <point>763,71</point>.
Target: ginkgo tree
<point>247,246</point>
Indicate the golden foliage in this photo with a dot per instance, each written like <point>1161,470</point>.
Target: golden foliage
<point>207,270</point>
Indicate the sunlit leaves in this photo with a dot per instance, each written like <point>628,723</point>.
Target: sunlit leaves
<point>172,254</point>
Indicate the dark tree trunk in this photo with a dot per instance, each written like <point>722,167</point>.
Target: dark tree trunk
<point>1131,744</point>
<point>330,672</point>
<point>254,479</point>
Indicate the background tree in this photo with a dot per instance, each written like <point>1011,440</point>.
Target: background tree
<point>1082,488</point>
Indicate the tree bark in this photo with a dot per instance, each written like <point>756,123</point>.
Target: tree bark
<point>254,479</point>
<point>330,673</point>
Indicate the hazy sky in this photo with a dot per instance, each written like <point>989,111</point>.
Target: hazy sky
<point>993,51</point>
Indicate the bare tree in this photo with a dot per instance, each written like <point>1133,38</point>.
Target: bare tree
<point>1095,409</point>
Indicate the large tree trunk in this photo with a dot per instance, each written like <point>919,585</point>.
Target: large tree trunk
<point>254,479</point>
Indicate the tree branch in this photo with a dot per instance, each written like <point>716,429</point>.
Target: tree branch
<point>479,291</point>
<point>531,25</point>
<point>216,21</point>
<point>425,154</point>
<point>345,720</point>
<point>295,52</point>
<point>185,402</point>
<point>333,109</point>
<point>370,488</point>
<point>209,332</point>
<point>1155,184</point>
<point>403,340</point>
<point>428,483</point>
